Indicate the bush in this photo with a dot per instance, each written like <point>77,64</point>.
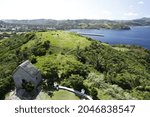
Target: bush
<point>147,88</point>
<point>46,44</point>
<point>28,86</point>
<point>33,60</point>
<point>76,69</point>
<point>39,51</point>
<point>30,35</point>
<point>76,82</point>
<point>94,93</point>
<point>50,52</point>
<point>50,74</point>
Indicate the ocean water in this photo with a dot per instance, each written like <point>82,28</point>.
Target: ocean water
<point>136,36</point>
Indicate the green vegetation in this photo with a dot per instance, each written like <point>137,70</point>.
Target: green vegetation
<point>28,86</point>
<point>105,72</point>
<point>10,58</point>
<point>121,49</point>
<point>70,24</point>
<point>58,95</point>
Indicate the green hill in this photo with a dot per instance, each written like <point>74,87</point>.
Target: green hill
<point>105,72</point>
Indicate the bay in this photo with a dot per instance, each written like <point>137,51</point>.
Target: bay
<point>136,36</point>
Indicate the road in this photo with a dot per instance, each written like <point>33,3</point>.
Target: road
<point>90,34</point>
<point>76,92</point>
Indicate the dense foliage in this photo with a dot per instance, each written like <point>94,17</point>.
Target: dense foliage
<point>10,58</point>
<point>129,70</point>
<point>104,71</point>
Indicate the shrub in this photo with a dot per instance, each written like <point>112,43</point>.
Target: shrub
<point>39,51</point>
<point>76,82</point>
<point>33,60</point>
<point>28,86</point>
<point>93,93</point>
<point>46,44</point>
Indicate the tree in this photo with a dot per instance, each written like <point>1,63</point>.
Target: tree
<point>46,44</point>
<point>50,74</point>
<point>94,93</point>
<point>28,86</point>
<point>38,51</point>
<point>33,60</point>
<point>76,82</point>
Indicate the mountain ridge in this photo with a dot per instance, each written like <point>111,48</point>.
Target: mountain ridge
<point>80,24</point>
<point>30,21</point>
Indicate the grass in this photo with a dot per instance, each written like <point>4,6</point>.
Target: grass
<point>121,49</point>
<point>1,40</point>
<point>105,44</point>
<point>62,45</point>
<point>58,95</point>
<point>30,44</point>
<point>64,39</point>
<point>58,59</point>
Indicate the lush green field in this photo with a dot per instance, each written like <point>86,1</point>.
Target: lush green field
<point>61,39</point>
<point>58,95</point>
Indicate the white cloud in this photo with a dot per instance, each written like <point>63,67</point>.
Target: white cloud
<point>148,16</point>
<point>131,6</point>
<point>140,2</point>
<point>106,14</point>
<point>131,14</point>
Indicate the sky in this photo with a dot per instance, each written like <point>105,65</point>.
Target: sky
<point>74,9</point>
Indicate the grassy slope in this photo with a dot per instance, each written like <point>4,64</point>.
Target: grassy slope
<point>121,49</point>
<point>59,40</point>
<point>62,45</point>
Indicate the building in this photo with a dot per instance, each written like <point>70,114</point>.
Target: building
<point>26,74</point>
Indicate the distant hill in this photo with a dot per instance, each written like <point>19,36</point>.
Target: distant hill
<point>83,23</point>
<point>31,22</point>
<point>1,22</point>
<point>139,22</point>
<point>72,24</point>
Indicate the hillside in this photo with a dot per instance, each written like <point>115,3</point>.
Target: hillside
<point>139,22</point>
<point>71,24</point>
<point>44,24</point>
<point>104,71</point>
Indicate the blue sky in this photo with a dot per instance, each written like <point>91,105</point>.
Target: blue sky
<point>74,9</point>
